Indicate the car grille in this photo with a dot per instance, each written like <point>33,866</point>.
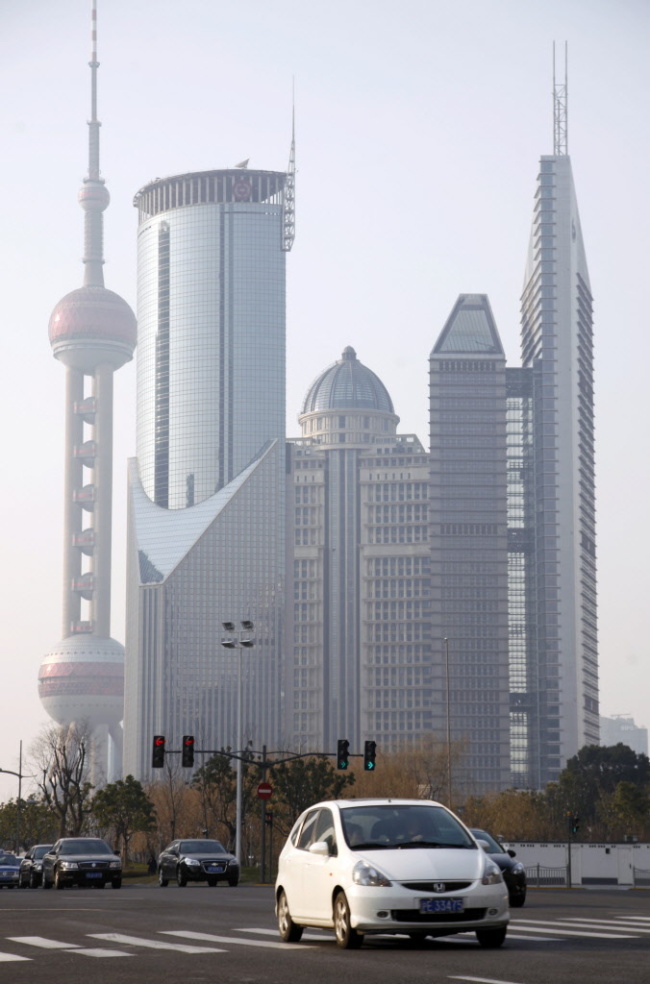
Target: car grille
<point>92,865</point>
<point>415,916</point>
<point>428,886</point>
<point>217,866</point>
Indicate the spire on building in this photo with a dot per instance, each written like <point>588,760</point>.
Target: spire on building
<point>560,108</point>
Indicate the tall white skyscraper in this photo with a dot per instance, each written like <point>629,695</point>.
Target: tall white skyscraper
<point>207,529</point>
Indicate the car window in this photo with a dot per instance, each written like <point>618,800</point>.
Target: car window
<point>398,824</point>
<point>202,846</point>
<point>308,828</point>
<point>493,845</point>
<point>324,830</point>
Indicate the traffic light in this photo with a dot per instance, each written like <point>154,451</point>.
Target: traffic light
<point>575,823</point>
<point>188,752</point>
<point>268,818</point>
<point>158,752</point>
<point>342,754</point>
<point>369,754</point>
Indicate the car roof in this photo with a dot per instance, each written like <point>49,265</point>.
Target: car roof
<point>344,804</point>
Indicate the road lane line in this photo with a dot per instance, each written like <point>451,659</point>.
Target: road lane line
<point>152,944</point>
<point>575,921</point>
<point>209,938</point>
<point>545,927</point>
<point>317,937</point>
<point>11,957</point>
<point>484,980</point>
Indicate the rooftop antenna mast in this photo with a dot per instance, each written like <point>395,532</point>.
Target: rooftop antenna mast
<point>560,108</point>
<point>93,197</point>
<point>289,205</point>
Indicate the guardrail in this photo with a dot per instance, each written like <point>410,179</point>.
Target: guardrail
<point>539,875</point>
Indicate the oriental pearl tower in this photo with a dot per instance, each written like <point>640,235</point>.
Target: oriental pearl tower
<point>92,332</point>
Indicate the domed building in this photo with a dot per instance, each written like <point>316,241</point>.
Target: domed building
<point>361,588</point>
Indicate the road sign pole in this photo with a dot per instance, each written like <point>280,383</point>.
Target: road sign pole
<point>263,822</point>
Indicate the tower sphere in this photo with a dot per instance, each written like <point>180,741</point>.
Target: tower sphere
<point>82,678</point>
<point>94,196</point>
<point>347,385</point>
<point>92,326</point>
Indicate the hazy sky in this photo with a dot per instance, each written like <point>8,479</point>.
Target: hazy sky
<point>419,129</point>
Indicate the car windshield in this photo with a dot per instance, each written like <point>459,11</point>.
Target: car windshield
<point>493,846</point>
<point>10,860</point>
<point>202,847</point>
<point>380,826</point>
<point>86,846</point>
<point>41,850</point>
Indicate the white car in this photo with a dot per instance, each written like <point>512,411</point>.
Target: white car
<point>387,866</point>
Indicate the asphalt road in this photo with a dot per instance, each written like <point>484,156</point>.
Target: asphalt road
<point>197,934</point>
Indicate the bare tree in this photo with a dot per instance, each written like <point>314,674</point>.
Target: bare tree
<point>62,766</point>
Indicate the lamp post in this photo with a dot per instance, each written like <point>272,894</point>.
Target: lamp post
<point>243,641</point>
<point>20,777</point>
<point>448,724</point>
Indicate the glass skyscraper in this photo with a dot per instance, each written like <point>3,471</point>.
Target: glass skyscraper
<point>207,514</point>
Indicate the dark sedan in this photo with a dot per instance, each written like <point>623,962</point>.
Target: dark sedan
<point>514,873</point>
<point>83,861</point>
<point>31,866</point>
<point>9,867</point>
<point>197,860</point>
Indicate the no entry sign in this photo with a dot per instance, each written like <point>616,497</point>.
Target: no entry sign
<point>265,790</point>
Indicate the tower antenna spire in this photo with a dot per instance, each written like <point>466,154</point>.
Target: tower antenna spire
<point>93,197</point>
<point>560,108</point>
<point>289,198</point>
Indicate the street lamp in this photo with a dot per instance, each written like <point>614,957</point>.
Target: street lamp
<point>20,776</point>
<point>243,641</point>
<point>448,724</point>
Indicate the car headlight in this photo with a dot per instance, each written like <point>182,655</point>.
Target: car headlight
<point>115,864</point>
<point>37,865</point>
<point>192,862</point>
<point>491,874</point>
<point>233,863</point>
<point>518,868</point>
<point>69,865</point>
<point>366,874</point>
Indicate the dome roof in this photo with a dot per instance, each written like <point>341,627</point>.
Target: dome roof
<point>347,385</point>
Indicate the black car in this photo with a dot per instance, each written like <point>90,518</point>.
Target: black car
<point>83,861</point>
<point>514,873</point>
<point>197,860</point>
<point>31,866</point>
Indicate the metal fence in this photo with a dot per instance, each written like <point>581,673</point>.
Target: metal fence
<point>640,878</point>
<point>539,875</point>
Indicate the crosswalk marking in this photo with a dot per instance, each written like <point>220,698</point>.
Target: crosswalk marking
<point>531,926</point>
<point>43,942</point>
<point>593,923</point>
<point>481,980</point>
<point>314,937</point>
<point>210,938</point>
<point>9,957</point>
<point>153,944</point>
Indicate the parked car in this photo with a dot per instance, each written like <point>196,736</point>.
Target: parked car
<point>387,866</point>
<point>31,866</point>
<point>9,867</point>
<point>197,860</point>
<point>83,861</point>
<point>514,873</point>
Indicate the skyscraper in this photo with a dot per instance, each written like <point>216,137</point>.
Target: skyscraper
<point>206,527</point>
<point>556,710</point>
<point>468,543</point>
<point>359,612</point>
<point>92,332</point>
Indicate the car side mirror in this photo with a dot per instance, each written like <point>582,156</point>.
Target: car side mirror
<point>513,854</point>
<point>483,844</point>
<point>321,848</point>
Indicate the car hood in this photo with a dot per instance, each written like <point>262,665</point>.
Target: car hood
<point>426,863</point>
<point>213,855</point>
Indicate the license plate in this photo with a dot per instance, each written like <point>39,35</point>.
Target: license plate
<point>94,874</point>
<point>216,868</point>
<point>442,905</point>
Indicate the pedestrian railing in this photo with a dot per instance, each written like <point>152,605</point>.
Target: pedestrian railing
<point>641,878</point>
<point>539,875</point>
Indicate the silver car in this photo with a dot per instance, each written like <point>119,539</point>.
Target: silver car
<point>383,866</point>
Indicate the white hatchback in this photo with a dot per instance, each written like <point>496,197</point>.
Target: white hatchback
<point>387,866</point>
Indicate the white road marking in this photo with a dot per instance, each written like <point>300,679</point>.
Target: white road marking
<point>484,980</point>
<point>97,951</point>
<point>592,923</point>
<point>9,957</point>
<point>43,942</point>
<point>317,937</point>
<point>209,938</point>
<point>530,926</point>
<point>153,944</point>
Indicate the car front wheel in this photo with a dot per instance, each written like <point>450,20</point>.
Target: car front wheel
<point>491,938</point>
<point>287,928</point>
<point>33,880</point>
<point>181,876</point>
<point>58,881</point>
<point>516,901</point>
<point>162,881</point>
<point>346,937</point>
